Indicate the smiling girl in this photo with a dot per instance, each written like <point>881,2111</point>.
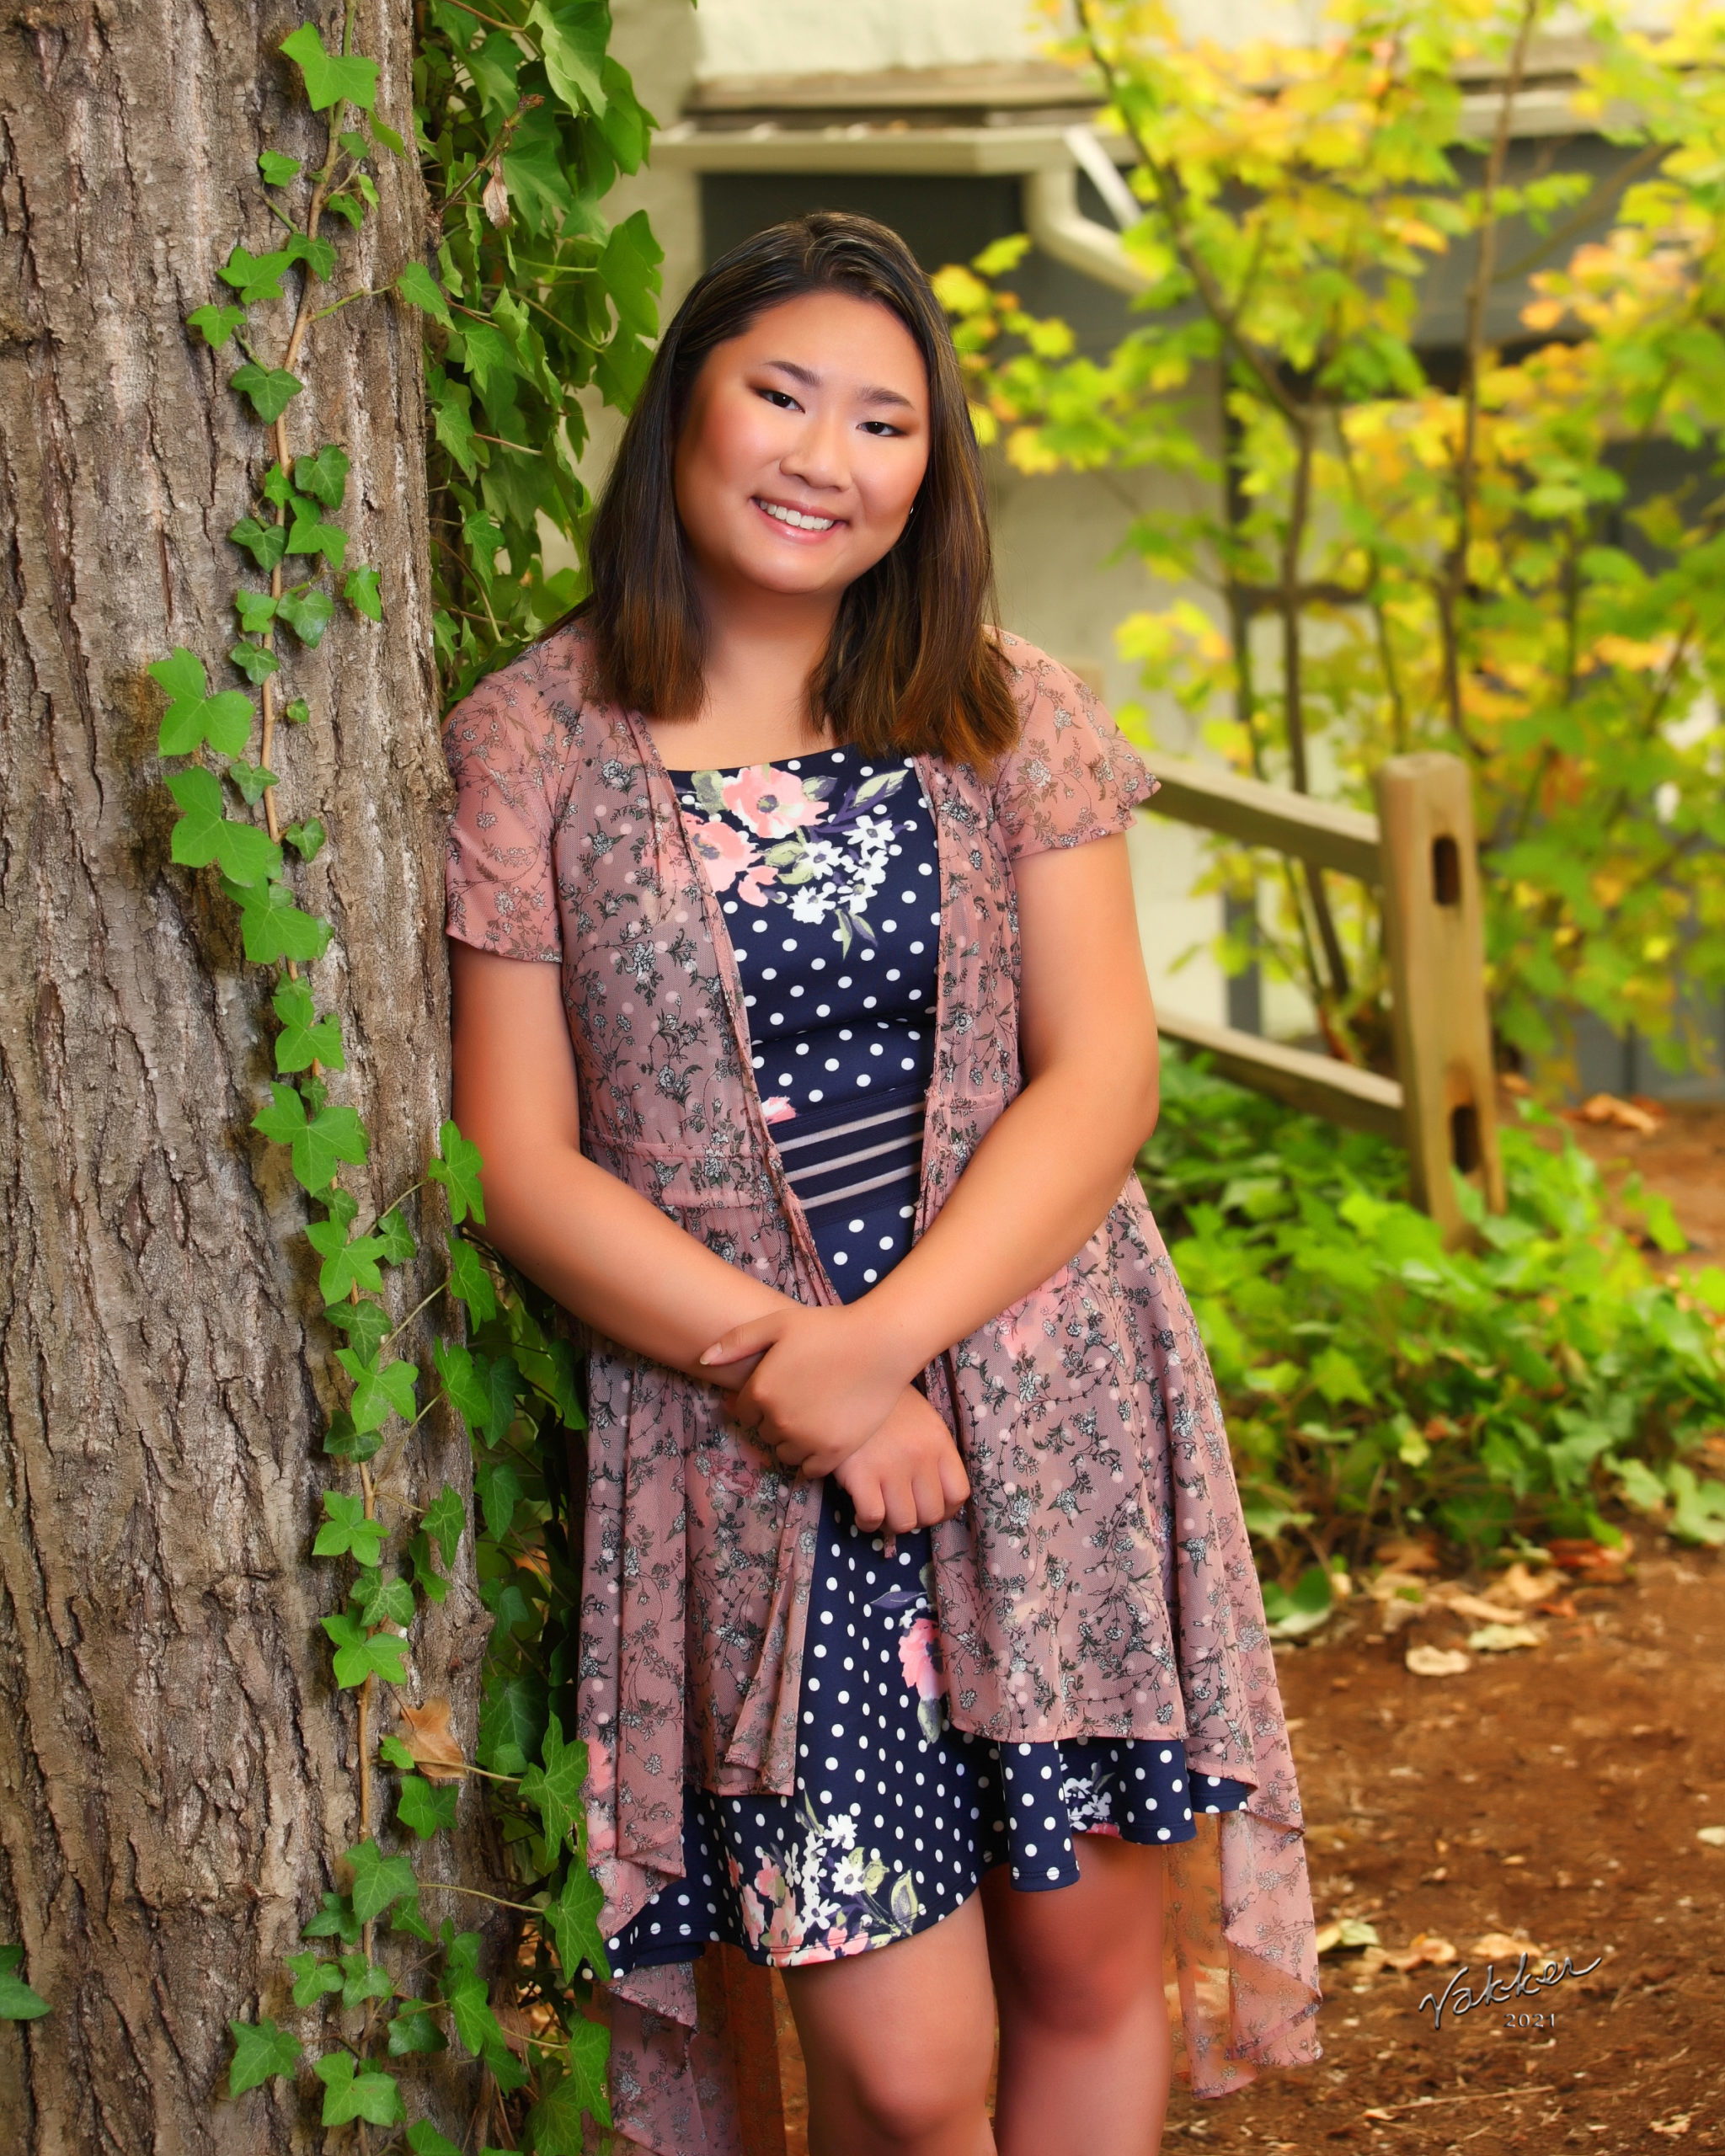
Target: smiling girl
<point>801,1020</point>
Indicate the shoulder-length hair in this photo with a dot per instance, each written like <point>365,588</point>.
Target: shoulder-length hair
<point>911,665</point>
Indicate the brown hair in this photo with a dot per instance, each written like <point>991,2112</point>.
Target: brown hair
<point>911,665</point>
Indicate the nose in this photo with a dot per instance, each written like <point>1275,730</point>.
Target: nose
<point>818,456</point>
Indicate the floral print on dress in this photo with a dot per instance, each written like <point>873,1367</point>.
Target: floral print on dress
<point>1101,1583</point>
<point>832,872</point>
<point>827,1898</point>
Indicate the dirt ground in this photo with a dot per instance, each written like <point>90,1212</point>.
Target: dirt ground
<point>1553,1795</point>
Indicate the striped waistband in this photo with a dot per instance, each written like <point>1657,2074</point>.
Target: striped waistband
<point>857,1155</point>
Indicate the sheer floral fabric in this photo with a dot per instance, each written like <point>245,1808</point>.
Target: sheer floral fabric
<point>1099,1584</point>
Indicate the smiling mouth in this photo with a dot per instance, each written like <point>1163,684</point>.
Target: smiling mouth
<point>798,519</point>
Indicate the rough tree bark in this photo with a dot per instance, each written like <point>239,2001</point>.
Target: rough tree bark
<point>176,1776</point>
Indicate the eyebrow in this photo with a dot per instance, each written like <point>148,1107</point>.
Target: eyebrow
<point>810,380</point>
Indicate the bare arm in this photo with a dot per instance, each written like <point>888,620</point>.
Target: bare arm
<point>1040,1184</point>
<point>611,1257</point>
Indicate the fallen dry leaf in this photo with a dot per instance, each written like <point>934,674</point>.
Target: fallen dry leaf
<point>1391,1585</point>
<point>1503,1639</point>
<point>1449,1594</point>
<point>1592,1561</point>
<point>1527,1587</point>
<point>436,1749</point>
<point>1404,1553</point>
<point>1673,2128</point>
<point>1342,1933</point>
<point>1614,1114</point>
<point>1504,1947</point>
<point>1714,1837</point>
<point>1437,1662</point>
<point>1424,1950</point>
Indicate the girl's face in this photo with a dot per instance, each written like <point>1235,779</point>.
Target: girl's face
<point>804,443</point>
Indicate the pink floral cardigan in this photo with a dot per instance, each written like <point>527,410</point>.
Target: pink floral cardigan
<point>1099,1583</point>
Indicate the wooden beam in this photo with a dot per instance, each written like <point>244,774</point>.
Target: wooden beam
<point>1359,1100</point>
<point>1346,839</point>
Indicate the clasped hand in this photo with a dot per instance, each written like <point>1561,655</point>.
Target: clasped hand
<point>823,1401</point>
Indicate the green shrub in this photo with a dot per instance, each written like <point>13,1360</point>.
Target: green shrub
<point>1373,1380</point>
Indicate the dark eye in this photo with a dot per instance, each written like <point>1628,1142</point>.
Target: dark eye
<point>779,397</point>
<point>881,427</point>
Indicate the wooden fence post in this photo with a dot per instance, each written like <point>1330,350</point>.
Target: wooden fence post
<point>1435,930</point>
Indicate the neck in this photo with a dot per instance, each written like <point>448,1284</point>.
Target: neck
<point>761,649</point>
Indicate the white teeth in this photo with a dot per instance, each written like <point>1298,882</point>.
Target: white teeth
<point>795,518</point>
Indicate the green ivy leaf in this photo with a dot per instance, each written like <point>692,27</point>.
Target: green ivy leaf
<point>573,1922</point>
<point>418,285</point>
<point>203,834</point>
<point>308,613</point>
<point>277,169</point>
<point>458,1171</point>
<point>481,1390</point>
<point>554,2123</point>
<point>215,324</point>
<point>313,1977</point>
<point>298,713</point>
<point>399,1244</point>
<point>346,1529</point>
<point>305,1038</point>
<point>274,927</point>
<point>467,1997</point>
<point>251,780</point>
<point>309,534</point>
<point>18,2002</point>
<point>307,839</point>
<point>423,2138</point>
<point>320,1142</point>
<point>361,593</point>
<point>318,254</point>
<point>266,543</point>
<point>360,1654</point>
<point>365,1323</point>
<point>256,664</point>
<point>629,271</point>
<point>427,1578</point>
<point>387,136</point>
<point>269,390</point>
<point>394,1754</point>
<point>378,1880</point>
<point>554,1788</point>
<point>193,716</point>
<point>572,41</point>
<point>445,1518</point>
<point>260,2052</point>
<point>453,420</point>
<point>427,1809</point>
<point>370,2094</point>
<point>344,205</point>
<point>382,1598</point>
<point>512,1721</point>
<point>341,1441</point>
<point>469,1283</point>
<point>378,1394</point>
<point>256,609</point>
<point>361,1980</point>
<point>412,2031</point>
<point>323,474</point>
<point>331,77</point>
<point>361,185</point>
<point>335,1919</point>
<point>256,277</point>
<point>508,1604</point>
<point>347,1263</point>
<point>499,1489</point>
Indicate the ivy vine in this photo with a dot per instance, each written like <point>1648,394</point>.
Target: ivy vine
<point>522,121</point>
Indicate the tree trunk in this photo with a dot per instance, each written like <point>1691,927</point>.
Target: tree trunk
<point>177,1777</point>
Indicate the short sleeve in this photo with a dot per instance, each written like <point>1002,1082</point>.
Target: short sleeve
<point>1073,776</point>
<point>500,880</point>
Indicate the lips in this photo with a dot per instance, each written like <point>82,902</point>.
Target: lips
<point>795,519</point>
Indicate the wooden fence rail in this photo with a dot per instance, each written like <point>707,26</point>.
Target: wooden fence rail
<point>1419,851</point>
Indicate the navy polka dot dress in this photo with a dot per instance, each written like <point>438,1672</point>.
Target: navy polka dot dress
<point>826,869</point>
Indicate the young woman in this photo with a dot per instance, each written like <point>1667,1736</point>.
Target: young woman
<point>801,1020</point>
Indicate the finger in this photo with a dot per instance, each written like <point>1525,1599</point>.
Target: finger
<point>753,1338</point>
<point>865,1499</point>
<point>900,1496</point>
<point>930,1498</point>
<point>954,1482</point>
